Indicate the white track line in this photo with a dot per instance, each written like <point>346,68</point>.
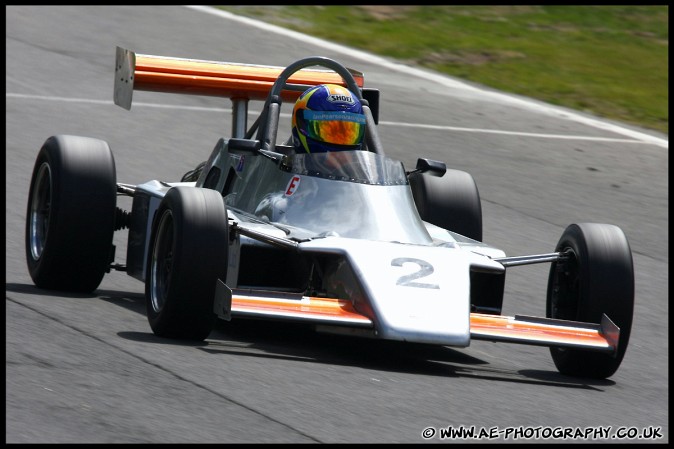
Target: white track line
<point>381,123</point>
<point>444,80</point>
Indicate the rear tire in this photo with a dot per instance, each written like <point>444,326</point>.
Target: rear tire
<point>597,279</point>
<point>188,254</point>
<point>451,202</point>
<point>70,217</point>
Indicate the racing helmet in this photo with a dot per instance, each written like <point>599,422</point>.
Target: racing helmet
<point>328,117</point>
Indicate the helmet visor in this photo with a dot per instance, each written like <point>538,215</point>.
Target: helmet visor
<point>336,127</point>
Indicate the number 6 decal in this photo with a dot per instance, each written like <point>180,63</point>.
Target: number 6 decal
<point>425,269</point>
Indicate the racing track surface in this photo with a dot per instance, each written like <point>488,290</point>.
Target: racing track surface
<point>87,369</point>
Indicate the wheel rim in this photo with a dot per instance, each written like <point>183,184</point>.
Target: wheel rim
<point>566,288</point>
<point>565,293</point>
<point>40,210</point>
<point>162,262</point>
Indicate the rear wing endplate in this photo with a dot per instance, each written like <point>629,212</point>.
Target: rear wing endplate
<point>198,77</point>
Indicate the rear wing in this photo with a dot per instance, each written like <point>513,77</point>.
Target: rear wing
<point>222,79</point>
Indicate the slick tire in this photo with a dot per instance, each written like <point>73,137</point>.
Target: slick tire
<point>597,279</point>
<point>70,217</point>
<point>451,202</point>
<point>188,254</point>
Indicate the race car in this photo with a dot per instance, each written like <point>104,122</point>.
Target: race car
<point>350,242</point>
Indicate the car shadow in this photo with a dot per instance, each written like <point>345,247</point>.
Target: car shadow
<point>300,342</point>
<point>130,300</point>
<point>33,290</point>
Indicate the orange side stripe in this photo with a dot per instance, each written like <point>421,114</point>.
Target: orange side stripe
<point>330,308</point>
<point>509,328</point>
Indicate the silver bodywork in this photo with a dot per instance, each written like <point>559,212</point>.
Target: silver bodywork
<point>412,278</point>
<point>354,194</point>
<point>418,293</point>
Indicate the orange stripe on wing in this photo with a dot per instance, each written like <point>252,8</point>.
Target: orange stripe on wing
<point>321,309</point>
<point>174,75</point>
<point>510,329</point>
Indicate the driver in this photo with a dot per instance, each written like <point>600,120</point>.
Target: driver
<point>327,123</point>
<point>327,118</point>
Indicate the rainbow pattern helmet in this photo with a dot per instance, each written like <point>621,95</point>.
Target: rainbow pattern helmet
<point>328,117</point>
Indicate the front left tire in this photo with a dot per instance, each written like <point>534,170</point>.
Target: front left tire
<point>188,254</point>
<point>596,279</point>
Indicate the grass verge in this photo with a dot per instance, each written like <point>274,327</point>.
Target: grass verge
<point>610,61</point>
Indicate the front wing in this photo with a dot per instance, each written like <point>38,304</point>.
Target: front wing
<point>518,329</point>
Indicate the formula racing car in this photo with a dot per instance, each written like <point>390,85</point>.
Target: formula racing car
<point>349,241</point>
